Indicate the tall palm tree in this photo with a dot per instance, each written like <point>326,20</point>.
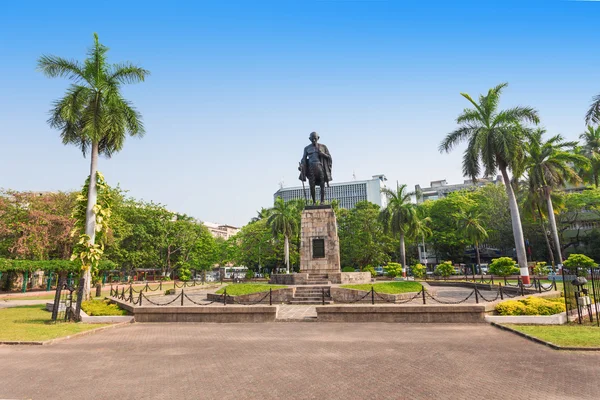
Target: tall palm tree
<point>591,150</point>
<point>93,115</point>
<point>495,141</point>
<point>400,216</point>
<point>469,224</point>
<point>549,165</point>
<point>283,220</point>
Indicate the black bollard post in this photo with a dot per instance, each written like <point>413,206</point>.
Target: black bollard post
<point>270,296</point>
<point>539,285</point>
<point>492,279</point>
<point>141,298</point>
<point>174,284</point>
<point>521,286</point>
<point>225,296</point>
<point>423,293</point>
<point>111,290</point>
<point>146,287</point>
<point>554,282</point>
<point>500,288</point>
<point>505,281</point>
<point>372,295</point>
<point>130,291</point>
<point>182,296</point>
<point>160,285</point>
<point>476,296</point>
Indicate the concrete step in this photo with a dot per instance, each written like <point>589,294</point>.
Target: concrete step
<point>310,298</point>
<point>310,302</point>
<point>319,282</point>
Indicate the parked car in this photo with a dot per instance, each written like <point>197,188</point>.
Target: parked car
<point>379,271</point>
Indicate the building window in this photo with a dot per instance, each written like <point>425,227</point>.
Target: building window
<point>318,248</point>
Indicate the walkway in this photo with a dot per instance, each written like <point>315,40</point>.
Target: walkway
<point>17,303</point>
<point>298,361</point>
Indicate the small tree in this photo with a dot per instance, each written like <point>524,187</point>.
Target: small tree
<point>444,269</point>
<point>541,268</point>
<point>503,266</point>
<point>393,269</point>
<point>348,269</point>
<point>579,260</point>
<point>369,268</point>
<point>418,271</point>
<point>185,274</point>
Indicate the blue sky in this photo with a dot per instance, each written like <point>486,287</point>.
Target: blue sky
<point>237,86</point>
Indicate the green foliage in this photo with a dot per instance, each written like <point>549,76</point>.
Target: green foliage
<point>503,266</point>
<point>418,271</point>
<point>393,269</point>
<point>184,274</point>
<point>348,269</point>
<point>99,307</point>
<point>444,269</point>
<point>579,260</point>
<point>541,268</point>
<point>239,289</point>
<point>250,274</point>
<point>388,287</point>
<point>371,270</point>
<point>362,238</point>
<point>48,265</point>
<point>531,306</point>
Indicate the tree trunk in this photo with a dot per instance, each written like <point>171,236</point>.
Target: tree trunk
<point>403,255</point>
<point>287,254</point>
<point>478,258</point>
<point>552,222</point>
<point>90,216</point>
<point>550,252</point>
<point>516,226</point>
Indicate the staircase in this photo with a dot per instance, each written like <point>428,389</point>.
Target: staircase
<point>311,295</point>
<point>318,279</point>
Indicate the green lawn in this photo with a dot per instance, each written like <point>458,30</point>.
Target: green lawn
<point>32,323</point>
<point>570,335</point>
<point>239,289</point>
<point>388,287</point>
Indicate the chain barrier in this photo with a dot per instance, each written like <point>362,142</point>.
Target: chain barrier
<point>199,304</point>
<point>248,304</point>
<point>450,302</point>
<point>163,304</point>
<point>355,300</point>
<point>486,299</point>
<point>399,301</point>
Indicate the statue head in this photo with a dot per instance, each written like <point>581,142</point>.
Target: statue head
<point>313,137</point>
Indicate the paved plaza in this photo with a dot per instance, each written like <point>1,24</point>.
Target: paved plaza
<point>298,361</point>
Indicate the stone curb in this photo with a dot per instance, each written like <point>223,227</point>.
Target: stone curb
<point>60,339</point>
<point>543,342</point>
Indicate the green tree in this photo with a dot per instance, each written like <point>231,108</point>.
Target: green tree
<point>283,219</point>
<point>469,224</point>
<point>503,266</point>
<point>591,150</point>
<point>495,141</point>
<point>93,115</point>
<point>400,216</point>
<point>548,166</point>
<point>444,269</point>
<point>362,238</point>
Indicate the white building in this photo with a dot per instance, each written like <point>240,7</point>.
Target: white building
<point>221,231</point>
<point>346,193</point>
<point>440,189</point>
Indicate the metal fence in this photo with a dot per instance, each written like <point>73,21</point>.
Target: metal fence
<point>582,294</point>
<point>67,300</point>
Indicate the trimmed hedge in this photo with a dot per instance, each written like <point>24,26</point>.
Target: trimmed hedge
<point>532,306</point>
<point>7,265</point>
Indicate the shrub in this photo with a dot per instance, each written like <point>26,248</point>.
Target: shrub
<point>541,268</point>
<point>101,307</point>
<point>579,260</point>
<point>267,276</point>
<point>532,306</point>
<point>250,274</point>
<point>393,269</point>
<point>184,274</point>
<point>369,268</point>
<point>503,266</point>
<point>418,270</point>
<point>347,269</point>
<point>444,269</point>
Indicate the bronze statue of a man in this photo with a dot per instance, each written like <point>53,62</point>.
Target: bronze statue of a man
<point>316,166</point>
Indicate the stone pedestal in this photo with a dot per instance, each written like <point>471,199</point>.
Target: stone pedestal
<point>319,243</point>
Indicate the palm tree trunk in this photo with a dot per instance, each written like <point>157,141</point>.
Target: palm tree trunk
<point>403,255</point>
<point>287,254</point>
<point>90,216</point>
<point>550,252</point>
<point>477,252</point>
<point>516,226</point>
<point>552,222</point>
